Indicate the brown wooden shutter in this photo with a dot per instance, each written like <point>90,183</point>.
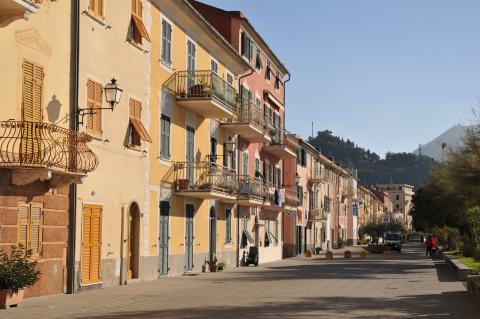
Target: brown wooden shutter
<point>96,244</point>
<point>96,8</point>
<point>23,216</point>
<point>86,244</point>
<point>35,228</point>
<point>94,100</point>
<point>32,92</point>
<point>99,8</point>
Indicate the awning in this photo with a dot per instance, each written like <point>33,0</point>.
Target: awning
<point>138,23</point>
<point>142,132</point>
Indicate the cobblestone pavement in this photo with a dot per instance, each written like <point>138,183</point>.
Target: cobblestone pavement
<point>407,286</point>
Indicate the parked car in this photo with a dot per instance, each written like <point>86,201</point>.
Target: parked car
<point>394,241</point>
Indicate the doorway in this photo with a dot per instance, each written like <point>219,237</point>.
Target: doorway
<point>164,237</point>
<point>189,211</point>
<point>213,234</point>
<point>133,241</point>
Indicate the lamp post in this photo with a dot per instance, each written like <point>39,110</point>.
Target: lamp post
<point>113,94</point>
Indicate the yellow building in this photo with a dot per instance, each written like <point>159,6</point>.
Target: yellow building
<point>112,218</point>
<point>41,154</point>
<point>193,185</point>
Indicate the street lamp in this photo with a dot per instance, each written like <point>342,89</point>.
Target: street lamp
<point>113,94</point>
<point>297,178</point>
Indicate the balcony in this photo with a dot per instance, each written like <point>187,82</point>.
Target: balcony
<point>204,93</point>
<point>280,199</point>
<point>282,144</point>
<point>205,180</point>
<point>291,198</point>
<point>251,191</point>
<point>11,10</point>
<point>317,215</point>
<point>37,150</point>
<point>249,123</point>
<point>317,178</point>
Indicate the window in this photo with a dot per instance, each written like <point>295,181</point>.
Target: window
<point>165,137</point>
<point>303,158</point>
<point>277,80</point>
<point>228,226</point>
<point>94,100</point>
<point>138,30</point>
<point>246,237</point>
<point>258,102</point>
<point>214,66</point>
<point>166,57</point>
<point>245,163</point>
<point>257,166</point>
<point>137,130</point>
<point>397,197</point>
<point>32,94</point>
<point>397,206</point>
<point>276,231</point>
<point>258,60</point>
<point>95,8</point>
<point>246,46</point>
<point>213,149</point>
<point>91,244</point>
<point>230,78</point>
<point>268,238</point>
<point>267,71</point>
<point>30,227</point>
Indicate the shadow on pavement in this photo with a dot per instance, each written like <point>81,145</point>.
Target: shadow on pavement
<point>452,305</point>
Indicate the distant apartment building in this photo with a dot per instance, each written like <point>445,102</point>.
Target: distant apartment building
<point>401,197</point>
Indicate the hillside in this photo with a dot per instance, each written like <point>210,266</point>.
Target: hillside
<point>405,168</point>
<point>452,137</point>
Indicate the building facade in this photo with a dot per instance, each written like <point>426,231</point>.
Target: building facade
<point>401,197</point>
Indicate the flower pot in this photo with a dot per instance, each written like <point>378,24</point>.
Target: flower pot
<point>329,255</point>
<point>308,253</point>
<point>347,254</point>
<point>363,254</point>
<point>10,299</point>
<point>213,268</point>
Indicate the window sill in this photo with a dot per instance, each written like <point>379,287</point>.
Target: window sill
<point>228,245</point>
<point>164,161</point>
<point>138,46</point>
<point>167,67</point>
<point>134,148</point>
<point>99,20</point>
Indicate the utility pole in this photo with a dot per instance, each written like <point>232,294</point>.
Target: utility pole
<point>312,130</point>
<point>419,150</point>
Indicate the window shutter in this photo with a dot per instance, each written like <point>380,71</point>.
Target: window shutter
<point>97,117</point>
<point>242,44</point>
<point>99,10</point>
<point>265,171</point>
<point>96,242</point>
<point>86,245</point>
<point>23,216</point>
<point>35,228</point>
<point>32,92</point>
<point>91,5</point>
<point>164,40</point>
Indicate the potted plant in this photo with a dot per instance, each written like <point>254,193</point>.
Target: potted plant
<point>347,254</point>
<point>329,255</point>
<point>213,264</point>
<point>221,265</point>
<point>17,271</point>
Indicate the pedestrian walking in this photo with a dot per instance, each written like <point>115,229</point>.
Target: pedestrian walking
<point>429,246</point>
<point>434,245</point>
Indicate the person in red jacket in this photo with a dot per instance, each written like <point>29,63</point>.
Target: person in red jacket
<point>434,244</point>
<point>429,246</point>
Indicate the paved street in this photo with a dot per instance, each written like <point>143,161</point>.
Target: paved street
<point>408,286</point>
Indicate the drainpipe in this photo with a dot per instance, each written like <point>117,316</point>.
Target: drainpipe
<point>72,194</point>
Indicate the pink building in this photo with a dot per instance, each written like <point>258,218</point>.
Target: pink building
<point>262,143</point>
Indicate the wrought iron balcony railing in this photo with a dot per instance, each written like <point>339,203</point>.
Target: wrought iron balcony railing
<point>45,145</point>
<point>204,177</point>
<point>250,187</point>
<point>248,113</point>
<point>316,214</point>
<point>202,85</point>
<point>283,138</point>
<point>291,197</point>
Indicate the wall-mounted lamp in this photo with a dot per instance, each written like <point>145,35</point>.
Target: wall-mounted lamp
<point>113,93</point>
<point>297,178</point>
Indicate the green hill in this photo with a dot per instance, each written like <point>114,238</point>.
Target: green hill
<point>405,168</point>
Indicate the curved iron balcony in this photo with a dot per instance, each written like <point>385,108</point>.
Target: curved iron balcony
<point>204,93</point>
<point>26,144</point>
<point>282,144</point>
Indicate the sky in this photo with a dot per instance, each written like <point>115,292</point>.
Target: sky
<point>386,74</point>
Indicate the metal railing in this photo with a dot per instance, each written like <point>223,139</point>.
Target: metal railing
<point>38,144</point>
<point>204,176</point>
<point>248,113</point>
<point>281,137</point>
<point>291,197</point>
<point>316,214</point>
<point>269,192</point>
<point>199,85</point>
<point>250,187</point>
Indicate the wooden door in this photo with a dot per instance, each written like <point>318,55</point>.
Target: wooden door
<point>189,212</point>
<point>91,244</point>
<point>133,244</point>
<point>164,237</point>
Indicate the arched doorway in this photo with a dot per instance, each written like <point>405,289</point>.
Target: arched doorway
<point>133,241</point>
<point>213,233</point>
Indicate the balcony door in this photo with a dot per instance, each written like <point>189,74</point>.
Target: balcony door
<point>32,101</point>
<point>190,149</point>
<point>189,211</point>
<point>213,233</point>
<point>164,237</point>
<point>191,51</point>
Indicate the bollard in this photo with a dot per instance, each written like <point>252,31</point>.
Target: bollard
<point>308,253</point>
<point>329,255</point>
<point>363,254</point>
<point>386,254</point>
<point>347,254</point>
